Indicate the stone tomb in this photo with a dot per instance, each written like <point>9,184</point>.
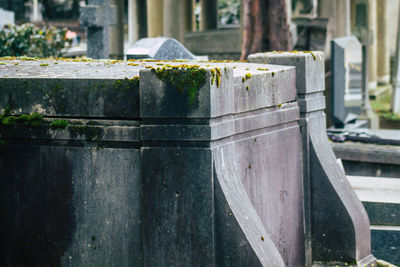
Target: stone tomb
<point>159,48</point>
<point>141,163</point>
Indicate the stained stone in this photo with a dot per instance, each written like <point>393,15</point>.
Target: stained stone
<point>159,48</point>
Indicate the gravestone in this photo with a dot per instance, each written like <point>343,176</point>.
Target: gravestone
<point>312,34</point>
<point>98,16</point>
<point>395,104</point>
<point>159,48</point>
<point>154,163</point>
<point>346,57</point>
<point>6,17</point>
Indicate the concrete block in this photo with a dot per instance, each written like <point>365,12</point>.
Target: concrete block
<point>310,68</point>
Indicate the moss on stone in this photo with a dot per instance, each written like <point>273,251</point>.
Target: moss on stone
<point>183,77</point>
<point>31,120</point>
<point>59,124</point>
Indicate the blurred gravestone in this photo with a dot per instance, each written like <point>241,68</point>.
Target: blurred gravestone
<point>346,79</point>
<point>98,16</point>
<point>395,105</point>
<point>159,48</point>
<point>6,17</point>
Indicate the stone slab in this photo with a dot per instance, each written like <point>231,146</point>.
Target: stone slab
<point>221,41</point>
<point>352,151</point>
<point>159,48</point>
<point>310,68</point>
<point>267,86</point>
<point>372,189</point>
<point>383,213</point>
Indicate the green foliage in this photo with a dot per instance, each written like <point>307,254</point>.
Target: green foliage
<point>382,107</point>
<point>228,12</point>
<point>33,41</point>
<point>32,120</point>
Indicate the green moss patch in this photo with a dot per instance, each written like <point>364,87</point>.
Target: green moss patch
<point>32,120</point>
<point>59,124</point>
<point>183,77</point>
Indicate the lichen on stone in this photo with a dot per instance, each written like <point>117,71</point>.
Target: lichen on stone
<point>216,76</point>
<point>246,77</point>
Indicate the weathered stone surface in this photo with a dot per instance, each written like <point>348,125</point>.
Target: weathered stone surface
<point>305,62</point>
<point>69,206</point>
<point>336,224</point>
<point>381,237</point>
<point>211,181</point>
<point>177,186</point>
<point>159,48</point>
<point>267,86</point>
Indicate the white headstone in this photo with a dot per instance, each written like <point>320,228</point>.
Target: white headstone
<point>6,17</point>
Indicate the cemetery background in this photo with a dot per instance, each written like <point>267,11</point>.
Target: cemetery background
<point>309,32</point>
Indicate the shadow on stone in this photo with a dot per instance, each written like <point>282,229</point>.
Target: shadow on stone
<point>36,213</point>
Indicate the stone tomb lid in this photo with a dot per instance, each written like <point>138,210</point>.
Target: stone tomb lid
<point>239,87</point>
<point>14,67</point>
<point>159,48</point>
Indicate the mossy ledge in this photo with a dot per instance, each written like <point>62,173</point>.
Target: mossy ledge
<point>31,120</point>
<point>59,124</point>
<point>183,77</point>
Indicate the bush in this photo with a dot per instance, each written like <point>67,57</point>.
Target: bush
<point>32,41</point>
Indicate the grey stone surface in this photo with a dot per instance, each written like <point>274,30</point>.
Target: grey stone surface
<point>69,206</point>
<point>341,220</point>
<point>221,43</point>
<point>344,52</point>
<point>386,243</point>
<point>217,182</point>
<point>234,208</point>
<point>98,16</point>
<point>383,213</point>
<point>177,188</point>
<point>6,17</point>
<point>272,86</point>
<point>159,48</point>
<point>336,224</point>
<point>309,63</point>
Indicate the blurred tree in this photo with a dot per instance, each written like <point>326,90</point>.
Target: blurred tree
<point>265,26</point>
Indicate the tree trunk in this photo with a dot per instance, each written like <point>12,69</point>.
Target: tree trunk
<point>265,26</point>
